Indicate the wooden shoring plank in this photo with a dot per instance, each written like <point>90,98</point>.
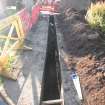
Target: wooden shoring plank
<point>49,102</point>
<point>27,48</point>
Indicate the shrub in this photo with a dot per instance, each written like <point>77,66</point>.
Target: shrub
<point>10,62</point>
<point>96,16</point>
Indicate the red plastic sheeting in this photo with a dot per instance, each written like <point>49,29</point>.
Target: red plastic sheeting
<point>35,14</point>
<point>49,8</point>
<point>28,19</point>
<point>25,19</point>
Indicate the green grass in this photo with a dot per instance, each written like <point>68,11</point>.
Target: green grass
<point>11,59</point>
<point>1,81</point>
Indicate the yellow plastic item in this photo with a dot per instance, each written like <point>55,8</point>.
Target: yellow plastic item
<point>12,22</point>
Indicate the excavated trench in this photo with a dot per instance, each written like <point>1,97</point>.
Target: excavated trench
<point>51,84</point>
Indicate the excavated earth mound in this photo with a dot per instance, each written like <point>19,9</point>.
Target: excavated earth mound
<point>86,50</point>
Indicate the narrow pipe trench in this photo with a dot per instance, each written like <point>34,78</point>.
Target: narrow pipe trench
<point>51,83</point>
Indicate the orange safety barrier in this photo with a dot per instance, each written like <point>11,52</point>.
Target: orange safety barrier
<point>28,19</point>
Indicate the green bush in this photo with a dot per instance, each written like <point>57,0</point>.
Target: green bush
<point>96,16</point>
<point>11,59</point>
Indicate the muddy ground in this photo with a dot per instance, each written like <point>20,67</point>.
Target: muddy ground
<point>85,50</point>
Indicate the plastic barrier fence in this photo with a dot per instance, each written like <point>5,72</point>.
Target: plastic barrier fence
<point>35,14</point>
<point>11,39</point>
<point>11,31</point>
<point>25,20</point>
<point>12,34</point>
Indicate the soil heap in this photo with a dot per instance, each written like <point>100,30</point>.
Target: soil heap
<point>86,50</point>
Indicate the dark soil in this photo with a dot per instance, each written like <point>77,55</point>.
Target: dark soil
<point>84,49</point>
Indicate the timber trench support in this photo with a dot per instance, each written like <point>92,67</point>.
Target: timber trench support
<point>51,85</point>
